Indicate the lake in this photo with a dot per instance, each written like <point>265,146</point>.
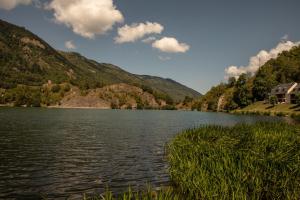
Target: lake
<point>59,153</point>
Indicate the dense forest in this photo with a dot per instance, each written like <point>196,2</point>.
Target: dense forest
<point>247,89</point>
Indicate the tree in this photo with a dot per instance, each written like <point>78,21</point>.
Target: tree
<point>242,94</point>
<point>298,99</point>
<point>187,100</point>
<point>231,82</point>
<point>273,100</point>
<point>261,88</point>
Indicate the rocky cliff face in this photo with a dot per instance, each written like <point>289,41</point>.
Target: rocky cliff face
<point>121,96</point>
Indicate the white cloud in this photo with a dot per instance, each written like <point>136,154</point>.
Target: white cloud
<point>170,45</point>
<point>149,40</point>
<point>86,17</point>
<point>137,31</point>
<point>11,4</point>
<point>164,58</point>
<point>70,45</point>
<point>259,60</point>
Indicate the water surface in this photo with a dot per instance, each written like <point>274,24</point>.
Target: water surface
<point>59,153</point>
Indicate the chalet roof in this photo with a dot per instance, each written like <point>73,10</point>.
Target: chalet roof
<point>296,89</point>
<point>282,88</point>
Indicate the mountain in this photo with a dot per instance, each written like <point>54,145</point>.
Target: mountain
<point>26,59</point>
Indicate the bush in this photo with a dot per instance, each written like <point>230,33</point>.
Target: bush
<point>114,105</point>
<point>260,161</point>
<point>273,100</point>
<point>67,88</point>
<point>168,107</point>
<point>280,114</point>
<point>55,88</point>
<point>296,116</point>
<point>24,96</point>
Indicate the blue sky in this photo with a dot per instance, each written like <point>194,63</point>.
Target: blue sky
<point>218,33</point>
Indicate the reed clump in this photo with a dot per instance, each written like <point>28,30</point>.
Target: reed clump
<point>260,161</point>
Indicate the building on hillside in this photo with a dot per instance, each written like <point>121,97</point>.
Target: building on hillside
<point>286,93</point>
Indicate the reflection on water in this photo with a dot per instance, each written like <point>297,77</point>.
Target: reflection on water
<point>60,153</point>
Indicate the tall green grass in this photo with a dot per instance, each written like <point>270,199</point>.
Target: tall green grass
<point>260,161</point>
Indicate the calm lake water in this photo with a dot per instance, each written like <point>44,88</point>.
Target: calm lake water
<point>59,153</point>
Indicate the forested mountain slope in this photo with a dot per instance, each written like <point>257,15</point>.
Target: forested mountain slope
<point>28,60</point>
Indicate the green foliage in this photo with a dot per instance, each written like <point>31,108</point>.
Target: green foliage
<point>231,82</point>
<point>146,88</point>
<point>187,100</point>
<point>258,161</point>
<point>242,95</point>
<point>297,97</point>
<point>23,96</point>
<point>273,100</point>
<point>231,105</point>
<point>263,83</point>
<point>168,107</point>
<point>55,88</point>
<point>211,98</point>
<point>67,88</point>
<point>163,96</point>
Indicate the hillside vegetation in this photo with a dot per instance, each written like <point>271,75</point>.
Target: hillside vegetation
<point>241,92</point>
<point>29,62</point>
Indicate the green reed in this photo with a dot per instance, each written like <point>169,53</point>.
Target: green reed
<point>260,161</point>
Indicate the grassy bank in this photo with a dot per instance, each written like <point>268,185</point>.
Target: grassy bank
<point>262,108</point>
<point>260,161</point>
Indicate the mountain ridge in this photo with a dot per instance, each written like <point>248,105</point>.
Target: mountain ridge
<point>26,59</point>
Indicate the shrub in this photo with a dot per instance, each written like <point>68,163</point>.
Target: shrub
<point>114,105</point>
<point>55,88</point>
<point>168,107</point>
<point>280,114</point>
<point>67,88</point>
<point>273,100</point>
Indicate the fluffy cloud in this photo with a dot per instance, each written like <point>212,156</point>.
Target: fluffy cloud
<point>170,45</point>
<point>70,45</point>
<point>10,4</point>
<point>86,17</point>
<point>137,31</point>
<point>260,59</point>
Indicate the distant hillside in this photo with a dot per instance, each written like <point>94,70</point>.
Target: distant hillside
<point>247,90</point>
<point>28,60</point>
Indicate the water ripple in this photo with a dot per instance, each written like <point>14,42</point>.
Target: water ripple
<point>65,153</point>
